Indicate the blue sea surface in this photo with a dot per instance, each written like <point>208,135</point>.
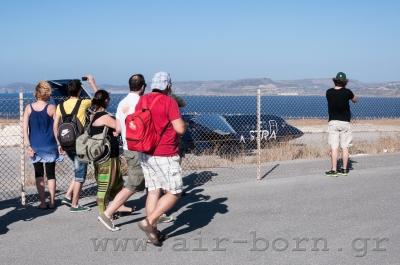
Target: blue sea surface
<point>288,107</point>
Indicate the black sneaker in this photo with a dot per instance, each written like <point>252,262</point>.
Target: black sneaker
<point>331,173</point>
<point>342,172</point>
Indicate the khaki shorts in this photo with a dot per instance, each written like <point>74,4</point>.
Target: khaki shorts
<point>135,180</point>
<point>339,132</point>
<point>162,172</point>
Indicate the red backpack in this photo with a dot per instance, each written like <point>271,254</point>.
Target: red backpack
<point>141,135</point>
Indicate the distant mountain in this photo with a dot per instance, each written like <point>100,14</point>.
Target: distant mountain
<point>17,87</point>
<point>249,86</point>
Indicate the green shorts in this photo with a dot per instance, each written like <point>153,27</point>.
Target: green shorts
<point>135,173</point>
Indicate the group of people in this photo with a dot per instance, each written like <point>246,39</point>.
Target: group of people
<point>158,172</point>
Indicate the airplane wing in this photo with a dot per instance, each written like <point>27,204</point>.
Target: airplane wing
<point>60,91</point>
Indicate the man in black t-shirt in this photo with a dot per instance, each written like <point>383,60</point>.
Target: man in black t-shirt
<point>339,122</point>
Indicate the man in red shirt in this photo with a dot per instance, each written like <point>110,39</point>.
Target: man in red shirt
<point>161,166</point>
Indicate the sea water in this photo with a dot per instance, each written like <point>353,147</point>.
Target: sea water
<point>288,107</point>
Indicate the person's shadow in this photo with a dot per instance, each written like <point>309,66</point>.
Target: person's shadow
<point>200,211</point>
<point>18,213</point>
<point>197,215</point>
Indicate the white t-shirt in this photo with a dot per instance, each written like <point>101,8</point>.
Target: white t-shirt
<point>126,107</point>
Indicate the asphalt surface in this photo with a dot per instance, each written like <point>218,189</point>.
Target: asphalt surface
<point>278,220</point>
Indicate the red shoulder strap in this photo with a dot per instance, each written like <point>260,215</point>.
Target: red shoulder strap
<point>152,103</point>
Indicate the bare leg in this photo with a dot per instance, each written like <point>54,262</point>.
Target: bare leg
<point>345,157</point>
<point>41,191</point>
<point>119,200</point>
<point>334,158</point>
<point>151,201</point>
<point>51,185</point>
<point>70,188</point>
<point>156,206</point>
<point>76,192</point>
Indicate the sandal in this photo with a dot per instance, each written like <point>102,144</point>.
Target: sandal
<point>43,208</point>
<point>123,213</point>
<point>160,236</point>
<point>150,231</point>
<point>116,216</point>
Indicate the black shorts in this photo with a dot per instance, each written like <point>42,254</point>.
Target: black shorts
<point>50,170</point>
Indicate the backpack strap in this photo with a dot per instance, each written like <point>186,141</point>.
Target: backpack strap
<point>76,108</point>
<point>163,131</point>
<point>62,110</point>
<point>74,111</point>
<point>95,117</point>
<point>144,103</point>
<point>152,104</point>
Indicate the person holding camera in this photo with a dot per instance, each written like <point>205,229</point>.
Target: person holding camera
<point>339,122</point>
<point>80,169</point>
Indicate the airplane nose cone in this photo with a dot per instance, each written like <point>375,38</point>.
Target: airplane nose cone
<point>297,133</point>
<point>292,132</point>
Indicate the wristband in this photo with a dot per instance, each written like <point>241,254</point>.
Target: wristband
<point>27,145</point>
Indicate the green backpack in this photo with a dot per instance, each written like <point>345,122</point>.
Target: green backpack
<point>96,148</point>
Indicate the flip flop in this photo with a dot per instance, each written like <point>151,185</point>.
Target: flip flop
<point>42,208</point>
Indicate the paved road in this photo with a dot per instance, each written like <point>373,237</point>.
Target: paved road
<point>355,216</point>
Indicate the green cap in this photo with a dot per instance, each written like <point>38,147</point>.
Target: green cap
<point>341,76</point>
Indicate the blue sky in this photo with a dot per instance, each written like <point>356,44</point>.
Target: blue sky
<point>199,40</point>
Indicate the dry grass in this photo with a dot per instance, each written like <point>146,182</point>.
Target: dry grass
<point>317,122</point>
<point>274,152</point>
<point>385,144</point>
<point>5,122</point>
<point>286,151</point>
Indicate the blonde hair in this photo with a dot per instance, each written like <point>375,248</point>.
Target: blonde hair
<point>42,91</point>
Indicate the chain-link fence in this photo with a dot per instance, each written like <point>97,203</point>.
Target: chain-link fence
<point>227,141</point>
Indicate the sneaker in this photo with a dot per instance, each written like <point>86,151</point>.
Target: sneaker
<point>342,172</point>
<point>164,219</point>
<point>79,209</point>
<point>331,173</point>
<point>67,201</point>
<point>107,222</point>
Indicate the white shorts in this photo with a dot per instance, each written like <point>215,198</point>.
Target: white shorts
<point>162,172</point>
<point>339,131</point>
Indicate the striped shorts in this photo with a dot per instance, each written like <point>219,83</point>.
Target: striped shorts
<point>162,172</point>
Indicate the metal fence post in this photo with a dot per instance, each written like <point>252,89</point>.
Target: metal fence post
<point>22,148</point>
<point>259,134</point>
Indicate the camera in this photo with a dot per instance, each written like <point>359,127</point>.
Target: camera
<point>84,78</point>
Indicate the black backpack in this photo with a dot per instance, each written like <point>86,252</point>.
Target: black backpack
<point>70,128</point>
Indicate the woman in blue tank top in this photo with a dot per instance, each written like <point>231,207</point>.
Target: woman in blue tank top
<point>40,142</point>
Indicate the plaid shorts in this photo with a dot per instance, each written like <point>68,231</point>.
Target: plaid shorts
<point>162,172</point>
